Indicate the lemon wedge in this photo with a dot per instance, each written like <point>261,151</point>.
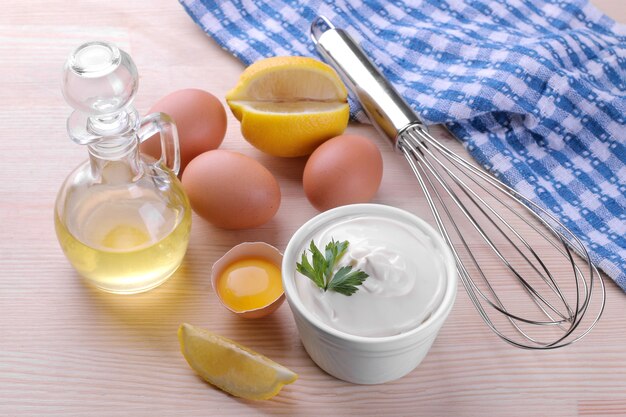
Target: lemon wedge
<point>289,105</point>
<point>230,366</point>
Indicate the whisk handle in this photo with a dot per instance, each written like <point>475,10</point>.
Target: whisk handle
<point>384,106</point>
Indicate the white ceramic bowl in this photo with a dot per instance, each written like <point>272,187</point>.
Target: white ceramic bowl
<point>359,359</point>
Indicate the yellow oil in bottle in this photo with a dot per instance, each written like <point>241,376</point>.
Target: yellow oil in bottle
<point>122,220</point>
<point>126,247</point>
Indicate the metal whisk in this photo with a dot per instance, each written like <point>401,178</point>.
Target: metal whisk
<point>491,232</point>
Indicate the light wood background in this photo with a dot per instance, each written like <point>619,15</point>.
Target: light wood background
<point>69,350</point>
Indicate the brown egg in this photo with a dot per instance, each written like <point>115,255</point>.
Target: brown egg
<point>346,169</point>
<point>231,190</point>
<point>200,120</point>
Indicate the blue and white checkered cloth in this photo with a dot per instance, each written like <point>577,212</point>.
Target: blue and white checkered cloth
<point>536,89</point>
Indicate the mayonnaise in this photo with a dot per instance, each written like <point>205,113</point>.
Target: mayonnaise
<point>406,277</point>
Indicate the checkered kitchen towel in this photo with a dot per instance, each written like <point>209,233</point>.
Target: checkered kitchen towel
<point>536,89</point>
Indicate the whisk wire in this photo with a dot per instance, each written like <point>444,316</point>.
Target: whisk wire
<point>418,146</point>
<point>472,196</point>
<point>452,157</point>
<point>469,285</point>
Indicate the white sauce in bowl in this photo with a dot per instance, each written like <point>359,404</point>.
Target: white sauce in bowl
<point>406,280</point>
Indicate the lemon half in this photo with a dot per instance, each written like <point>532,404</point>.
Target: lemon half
<point>232,367</point>
<point>289,105</point>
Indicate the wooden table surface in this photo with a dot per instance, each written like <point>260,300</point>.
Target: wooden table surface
<point>69,350</point>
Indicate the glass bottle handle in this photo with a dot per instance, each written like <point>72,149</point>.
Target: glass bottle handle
<point>164,125</point>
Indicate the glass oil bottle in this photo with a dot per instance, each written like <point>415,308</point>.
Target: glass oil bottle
<point>122,219</point>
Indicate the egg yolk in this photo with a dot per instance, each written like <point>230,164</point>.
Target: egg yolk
<point>249,284</point>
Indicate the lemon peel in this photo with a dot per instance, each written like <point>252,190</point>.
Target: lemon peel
<point>288,106</point>
<point>233,368</point>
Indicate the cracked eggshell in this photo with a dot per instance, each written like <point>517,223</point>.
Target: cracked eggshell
<point>249,250</point>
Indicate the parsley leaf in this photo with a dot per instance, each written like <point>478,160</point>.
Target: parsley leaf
<point>346,281</point>
<point>322,271</point>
